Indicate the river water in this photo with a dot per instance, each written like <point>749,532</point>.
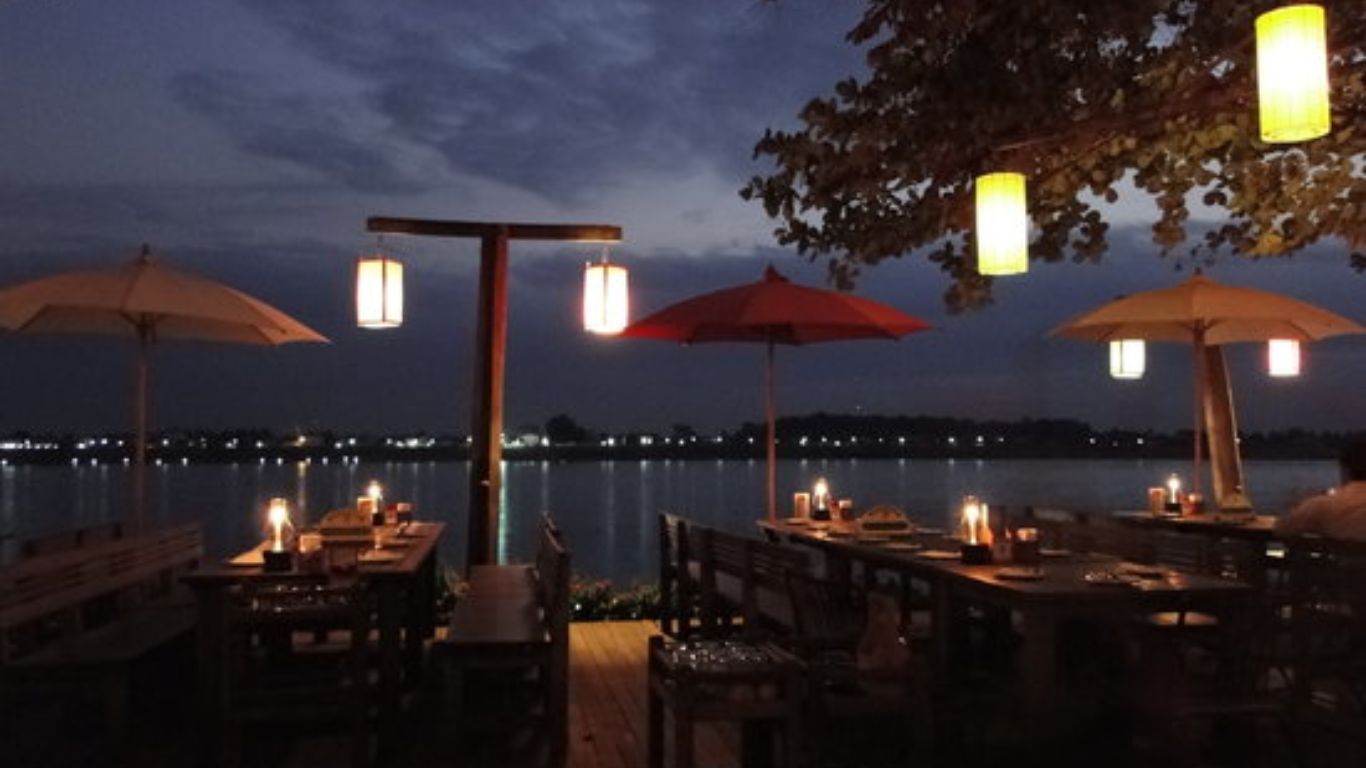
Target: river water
<point>607,508</point>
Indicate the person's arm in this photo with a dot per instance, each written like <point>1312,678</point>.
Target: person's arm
<point>1308,517</point>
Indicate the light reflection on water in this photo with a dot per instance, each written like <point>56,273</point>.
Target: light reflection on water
<point>606,508</point>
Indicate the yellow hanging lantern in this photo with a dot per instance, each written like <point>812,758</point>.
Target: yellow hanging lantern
<point>379,292</point>
<point>1128,358</point>
<point>606,298</point>
<point>1283,358</point>
<point>1002,224</point>
<point>1292,74</point>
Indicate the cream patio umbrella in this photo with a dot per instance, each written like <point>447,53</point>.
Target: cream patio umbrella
<point>1207,314</point>
<point>145,301</point>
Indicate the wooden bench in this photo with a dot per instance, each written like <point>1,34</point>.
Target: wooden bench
<point>79,616</point>
<point>514,619</point>
<point>67,540</point>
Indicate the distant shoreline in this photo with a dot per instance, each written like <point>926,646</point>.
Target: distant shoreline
<point>115,457</point>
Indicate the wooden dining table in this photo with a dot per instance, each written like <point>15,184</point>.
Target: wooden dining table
<point>403,581</point>
<point>1256,528</point>
<point>1065,586</point>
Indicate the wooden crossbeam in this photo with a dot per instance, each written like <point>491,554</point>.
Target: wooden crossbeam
<point>579,233</point>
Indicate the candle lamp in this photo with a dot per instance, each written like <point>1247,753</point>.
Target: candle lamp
<point>1173,503</point>
<point>976,546</point>
<point>820,500</point>
<point>375,492</point>
<point>277,557</point>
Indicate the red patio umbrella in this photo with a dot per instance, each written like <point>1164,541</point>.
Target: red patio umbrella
<point>774,311</point>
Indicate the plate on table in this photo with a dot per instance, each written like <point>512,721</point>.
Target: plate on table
<point>902,546</point>
<point>1107,579</point>
<point>1020,574</point>
<point>1055,552</point>
<point>413,530</point>
<point>1143,571</point>
<point>248,559</point>
<point>380,556</point>
<point>938,554</point>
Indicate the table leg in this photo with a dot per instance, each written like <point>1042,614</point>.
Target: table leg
<point>1038,666</point>
<point>210,669</point>
<point>390,647</point>
<point>756,744</point>
<point>683,739</point>
<point>655,740</point>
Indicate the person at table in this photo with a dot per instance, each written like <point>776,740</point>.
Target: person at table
<point>1340,513</point>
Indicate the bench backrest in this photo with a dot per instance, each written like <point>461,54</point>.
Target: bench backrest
<point>66,540</point>
<point>49,596</point>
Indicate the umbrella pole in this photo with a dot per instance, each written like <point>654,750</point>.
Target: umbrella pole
<point>139,489</point>
<point>772,437</point>
<point>1199,402</point>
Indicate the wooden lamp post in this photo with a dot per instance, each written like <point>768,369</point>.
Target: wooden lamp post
<point>486,418</point>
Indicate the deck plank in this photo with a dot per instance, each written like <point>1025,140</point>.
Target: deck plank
<point>607,699</point>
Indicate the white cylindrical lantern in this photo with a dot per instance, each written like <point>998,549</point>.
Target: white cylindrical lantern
<point>379,292</point>
<point>1292,74</point>
<point>1128,358</point>
<point>606,299</point>
<point>1283,357</point>
<point>1002,224</point>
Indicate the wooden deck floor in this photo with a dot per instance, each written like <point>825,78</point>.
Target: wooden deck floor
<point>607,707</point>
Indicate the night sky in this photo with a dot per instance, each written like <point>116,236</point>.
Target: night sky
<point>249,139</point>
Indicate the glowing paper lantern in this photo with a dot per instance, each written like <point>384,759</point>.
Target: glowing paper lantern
<point>1283,357</point>
<point>1128,358</point>
<point>1292,74</point>
<point>1002,224</point>
<point>379,292</point>
<point>606,298</point>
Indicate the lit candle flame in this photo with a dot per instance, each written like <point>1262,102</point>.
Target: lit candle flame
<point>278,515</point>
<point>820,494</point>
<point>1174,488</point>
<point>972,511</point>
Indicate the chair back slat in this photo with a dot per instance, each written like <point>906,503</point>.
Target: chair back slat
<point>1180,551</point>
<point>827,615</point>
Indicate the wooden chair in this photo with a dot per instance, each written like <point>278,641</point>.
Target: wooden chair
<point>275,679</point>
<point>1327,581</point>
<point>676,589</point>
<point>1232,707</point>
<point>875,707</point>
<point>742,578</point>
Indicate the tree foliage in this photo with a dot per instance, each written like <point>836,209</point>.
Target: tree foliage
<point>1089,98</point>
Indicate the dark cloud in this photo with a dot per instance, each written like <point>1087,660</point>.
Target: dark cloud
<point>298,127</point>
<point>563,98</point>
